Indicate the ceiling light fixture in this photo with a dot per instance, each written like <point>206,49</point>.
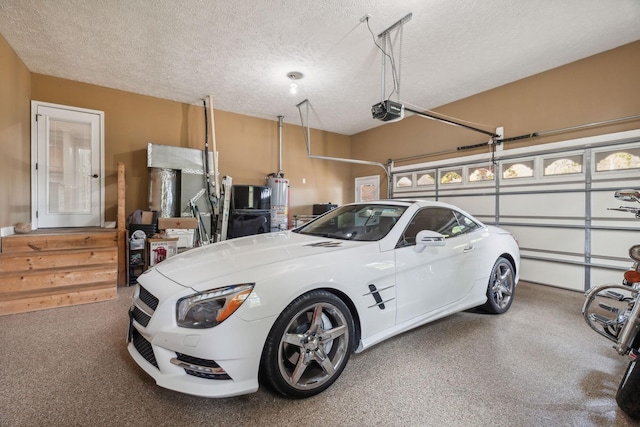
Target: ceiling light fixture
<point>294,76</point>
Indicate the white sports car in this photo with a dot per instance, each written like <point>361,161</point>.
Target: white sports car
<point>288,308</point>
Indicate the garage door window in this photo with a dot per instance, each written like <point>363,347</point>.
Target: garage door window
<point>426,178</point>
<point>517,170</point>
<point>484,173</point>
<point>563,165</point>
<point>451,176</point>
<point>404,181</point>
<point>617,160</point>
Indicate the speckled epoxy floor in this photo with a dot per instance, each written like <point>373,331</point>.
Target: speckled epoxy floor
<point>537,365</point>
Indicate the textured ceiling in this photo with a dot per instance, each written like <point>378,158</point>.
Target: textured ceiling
<point>240,52</point>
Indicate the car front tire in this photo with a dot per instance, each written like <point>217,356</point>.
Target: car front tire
<point>501,288</point>
<point>309,345</point>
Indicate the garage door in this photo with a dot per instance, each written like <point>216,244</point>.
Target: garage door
<point>552,197</point>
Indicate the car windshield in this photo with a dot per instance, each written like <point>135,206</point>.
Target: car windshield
<point>365,222</point>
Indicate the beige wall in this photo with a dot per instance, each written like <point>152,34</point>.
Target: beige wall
<point>599,88</point>
<point>15,139</point>
<point>247,146</point>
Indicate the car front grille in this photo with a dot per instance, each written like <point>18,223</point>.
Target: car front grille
<point>144,306</point>
<point>140,316</point>
<point>147,298</point>
<point>144,347</point>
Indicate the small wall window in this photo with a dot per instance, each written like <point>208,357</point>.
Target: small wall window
<point>426,178</point>
<point>404,181</point>
<point>451,176</point>
<point>483,173</point>
<point>563,165</point>
<point>617,160</point>
<point>522,169</point>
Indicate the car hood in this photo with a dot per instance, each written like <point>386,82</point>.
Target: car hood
<point>200,265</point>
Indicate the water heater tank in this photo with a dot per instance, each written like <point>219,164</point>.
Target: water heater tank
<point>279,203</point>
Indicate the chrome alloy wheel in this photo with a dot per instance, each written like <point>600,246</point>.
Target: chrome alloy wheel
<point>314,346</point>
<point>501,290</point>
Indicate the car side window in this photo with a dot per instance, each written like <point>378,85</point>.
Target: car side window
<point>445,221</point>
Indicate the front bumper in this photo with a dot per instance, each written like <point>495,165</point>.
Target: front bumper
<point>221,361</point>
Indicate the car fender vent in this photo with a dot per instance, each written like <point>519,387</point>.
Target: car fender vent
<point>375,293</point>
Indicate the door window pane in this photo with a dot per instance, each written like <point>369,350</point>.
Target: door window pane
<point>69,167</point>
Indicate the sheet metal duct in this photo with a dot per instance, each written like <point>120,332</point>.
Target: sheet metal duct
<point>163,192</point>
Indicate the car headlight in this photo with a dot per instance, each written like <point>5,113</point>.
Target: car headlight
<point>210,308</point>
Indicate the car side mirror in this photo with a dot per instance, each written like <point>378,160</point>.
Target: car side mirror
<point>428,239</point>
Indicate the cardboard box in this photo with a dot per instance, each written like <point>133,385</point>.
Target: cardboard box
<point>179,222</point>
<point>161,249</point>
<point>147,217</point>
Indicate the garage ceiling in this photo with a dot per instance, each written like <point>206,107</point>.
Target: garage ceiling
<point>240,52</point>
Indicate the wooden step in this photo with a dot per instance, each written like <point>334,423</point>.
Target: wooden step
<point>36,242</point>
<point>56,268</point>
<point>21,302</point>
<point>27,261</point>
<point>50,278</point>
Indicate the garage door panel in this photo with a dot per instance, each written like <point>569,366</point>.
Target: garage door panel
<point>553,274</point>
<point>613,243</point>
<point>549,239</point>
<point>604,276</point>
<point>550,204</point>
<point>475,205</point>
<point>567,235</point>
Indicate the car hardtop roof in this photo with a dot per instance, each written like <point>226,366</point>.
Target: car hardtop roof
<point>407,202</point>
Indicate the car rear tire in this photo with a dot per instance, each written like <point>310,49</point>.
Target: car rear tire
<point>628,395</point>
<point>501,288</point>
<point>309,345</point>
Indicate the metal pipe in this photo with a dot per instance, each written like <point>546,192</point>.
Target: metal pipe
<point>384,66</point>
<point>280,119</point>
<point>337,159</point>
<point>588,125</point>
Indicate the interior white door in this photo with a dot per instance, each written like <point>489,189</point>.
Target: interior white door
<point>68,167</point>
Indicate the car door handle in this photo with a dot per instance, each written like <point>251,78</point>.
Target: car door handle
<point>468,249</point>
